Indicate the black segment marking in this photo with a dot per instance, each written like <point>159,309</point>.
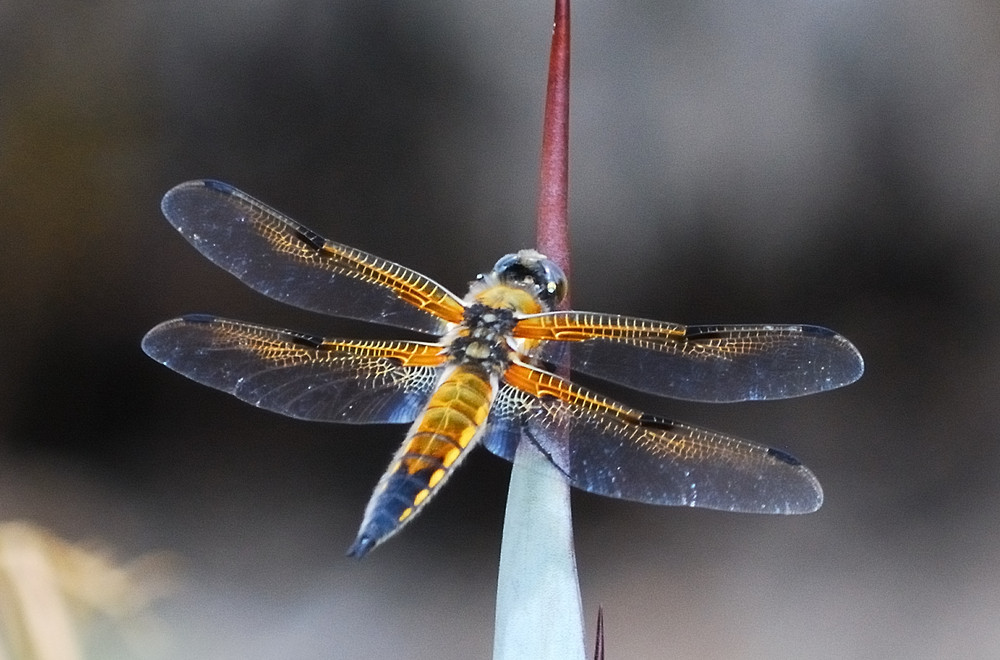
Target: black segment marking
<point>312,341</point>
<point>315,241</point>
<point>654,422</point>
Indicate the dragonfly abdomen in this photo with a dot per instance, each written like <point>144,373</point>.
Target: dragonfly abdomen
<point>438,439</point>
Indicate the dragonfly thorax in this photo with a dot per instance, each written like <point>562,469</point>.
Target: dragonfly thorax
<point>482,337</point>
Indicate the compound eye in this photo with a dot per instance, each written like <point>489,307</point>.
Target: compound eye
<point>518,269</point>
<point>505,263</point>
<point>530,269</point>
<point>555,281</point>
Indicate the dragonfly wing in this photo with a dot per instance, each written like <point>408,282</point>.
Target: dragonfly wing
<point>297,374</point>
<point>713,363</point>
<point>280,258</point>
<point>608,449</point>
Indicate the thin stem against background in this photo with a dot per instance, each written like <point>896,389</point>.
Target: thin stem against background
<point>553,189</point>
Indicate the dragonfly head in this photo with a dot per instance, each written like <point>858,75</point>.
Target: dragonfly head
<point>534,272</point>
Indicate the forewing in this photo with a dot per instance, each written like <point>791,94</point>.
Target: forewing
<point>608,449</point>
<point>297,374</point>
<point>280,258</point>
<point>712,363</point>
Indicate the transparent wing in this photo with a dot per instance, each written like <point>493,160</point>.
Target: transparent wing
<point>280,258</point>
<point>605,448</point>
<point>297,374</point>
<point>713,363</point>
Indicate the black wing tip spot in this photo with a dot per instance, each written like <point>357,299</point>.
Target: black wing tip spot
<point>783,456</point>
<point>218,186</point>
<point>819,331</point>
<point>199,318</point>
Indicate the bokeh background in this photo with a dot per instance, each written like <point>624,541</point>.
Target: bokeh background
<point>833,163</point>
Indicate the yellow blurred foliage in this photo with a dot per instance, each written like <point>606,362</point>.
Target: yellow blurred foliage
<point>50,590</point>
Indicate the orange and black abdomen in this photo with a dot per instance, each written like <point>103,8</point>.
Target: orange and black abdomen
<point>437,441</point>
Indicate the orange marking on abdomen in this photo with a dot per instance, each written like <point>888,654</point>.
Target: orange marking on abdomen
<point>453,416</point>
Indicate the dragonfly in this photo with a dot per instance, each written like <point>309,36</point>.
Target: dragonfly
<point>489,375</point>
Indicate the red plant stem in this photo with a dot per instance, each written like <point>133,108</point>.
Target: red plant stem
<point>553,217</point>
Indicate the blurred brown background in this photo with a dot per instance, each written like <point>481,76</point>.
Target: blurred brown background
<point>830,163</point>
